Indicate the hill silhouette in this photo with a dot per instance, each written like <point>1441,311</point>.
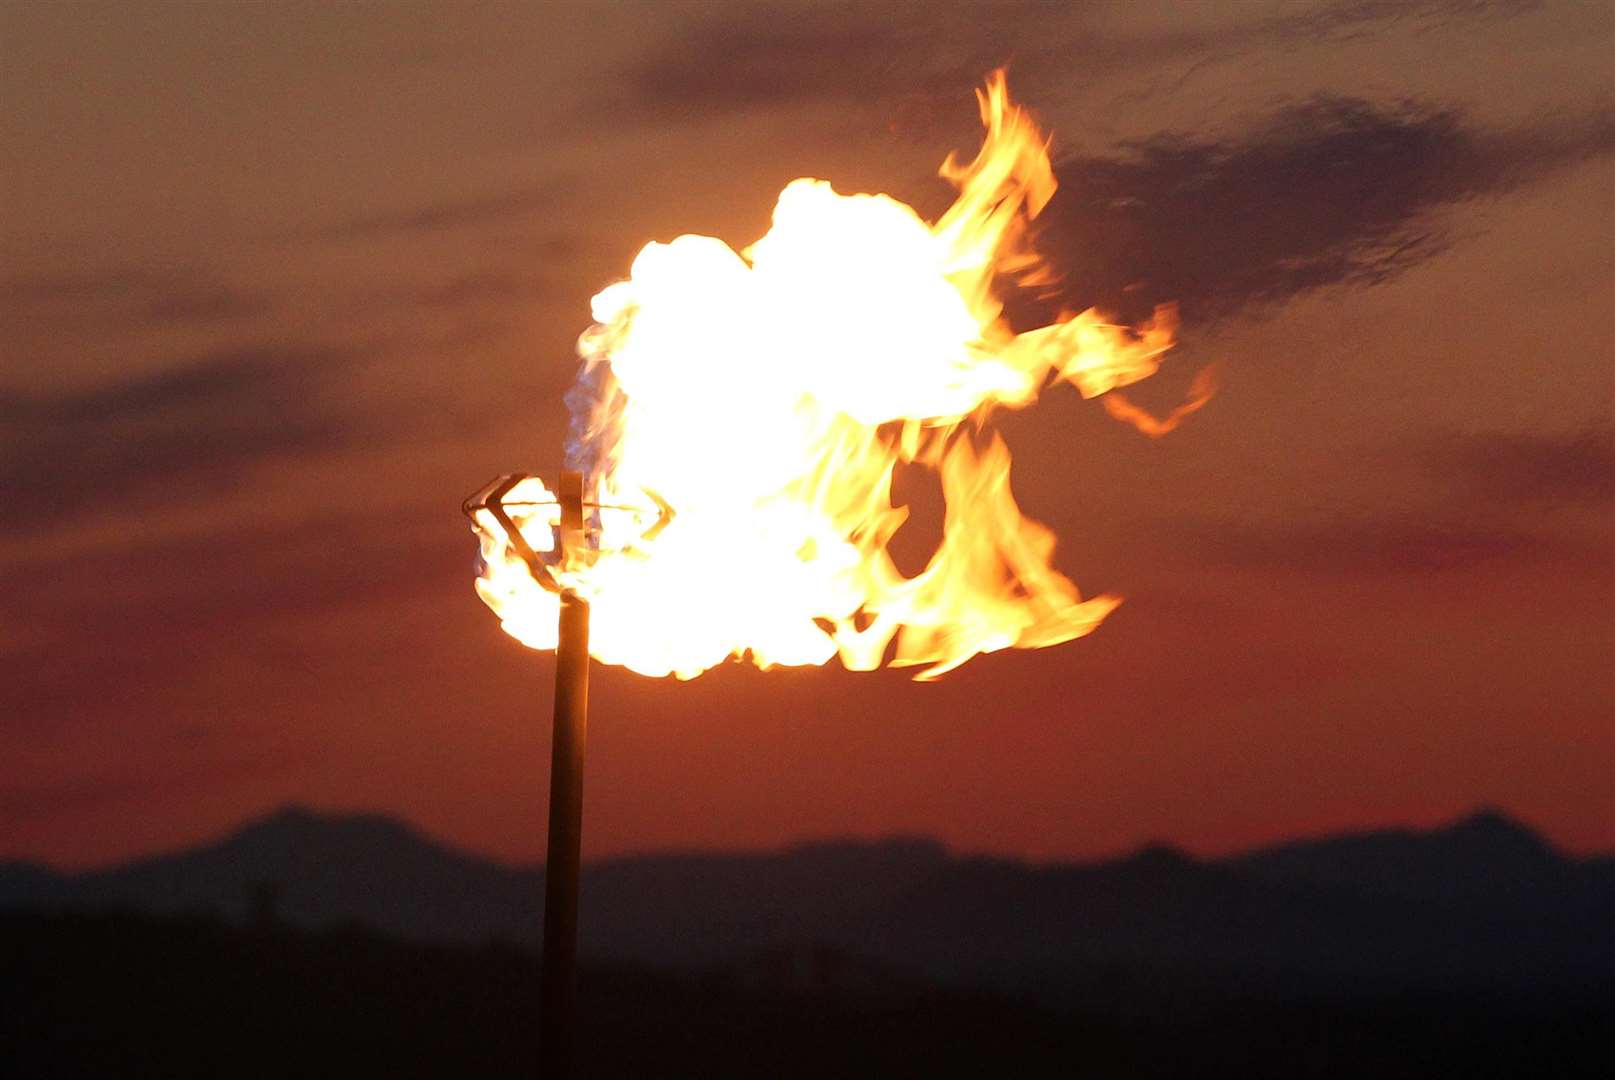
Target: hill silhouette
<point>1483,902</point>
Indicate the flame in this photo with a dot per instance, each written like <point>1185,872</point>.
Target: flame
<point>768,396</point>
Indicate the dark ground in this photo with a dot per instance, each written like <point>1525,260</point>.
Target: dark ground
<point>108,995</point>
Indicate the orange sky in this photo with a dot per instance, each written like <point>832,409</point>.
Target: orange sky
<point>284,283</point>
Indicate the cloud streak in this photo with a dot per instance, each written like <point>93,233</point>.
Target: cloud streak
<point>446,215</point>
<point>1575,468</point>
<point>1390,547</point>
<point>130,296</point>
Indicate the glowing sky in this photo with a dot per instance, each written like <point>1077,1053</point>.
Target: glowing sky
<point>283,283</point>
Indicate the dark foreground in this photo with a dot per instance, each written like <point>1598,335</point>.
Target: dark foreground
<point>126,995</point>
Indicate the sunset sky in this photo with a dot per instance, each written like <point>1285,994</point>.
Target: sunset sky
<point>284,282</point>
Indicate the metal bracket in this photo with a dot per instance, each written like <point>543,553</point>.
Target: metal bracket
<point>491,497</point>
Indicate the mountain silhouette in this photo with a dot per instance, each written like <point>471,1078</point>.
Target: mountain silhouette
<point>1481,902</point>
<point>1485,849</point>
<point>322,870</point>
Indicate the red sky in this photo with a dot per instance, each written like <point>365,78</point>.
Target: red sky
<point>284,282</point>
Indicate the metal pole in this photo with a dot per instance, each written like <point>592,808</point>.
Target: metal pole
<point>562,863</point>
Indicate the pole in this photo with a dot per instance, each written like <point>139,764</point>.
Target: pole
<point>558,1023</point>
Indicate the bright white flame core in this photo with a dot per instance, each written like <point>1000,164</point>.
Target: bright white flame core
<point>767,398</point>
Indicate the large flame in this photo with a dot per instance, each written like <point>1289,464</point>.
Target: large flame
<point>766,397</point>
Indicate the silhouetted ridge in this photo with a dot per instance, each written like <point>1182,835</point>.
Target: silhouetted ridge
<point>1162,858</point>
<point>1484,851</point>
<point>924,848</point>
<point>1492,831</point>
<point>297,835</point>
<point>1481,901</point>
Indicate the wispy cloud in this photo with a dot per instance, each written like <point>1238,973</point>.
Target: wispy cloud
<point>499,287</point>
<point>727,65</point>
<point>20,292</point>
<point>1576,468</point>
<point>1352,19</point>
<point>130,296</point>
<point>446,215</point>
<point>1400,547</point>
<point>330,559</point>
<point>197,427</point>
<point>148,608</point>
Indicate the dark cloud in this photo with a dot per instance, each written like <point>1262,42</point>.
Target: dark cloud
<point>727,64</point>
<point>1502,484</point>
<point>20,292</point>
<point>446,215</point>
<point>196,582</point>
<point>1183,55</point>
<point>922,57</point>
<point>1389,547</point>
<point>1352,19</point>
<point>169,603</point>
<point>480,287</point>
<point>191,430</point>
<point>1575,468</point>
<point>128,296</point>
<point>1332,191</point>
<point>205,304</point>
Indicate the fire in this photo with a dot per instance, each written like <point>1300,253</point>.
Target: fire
<point>766,397</point>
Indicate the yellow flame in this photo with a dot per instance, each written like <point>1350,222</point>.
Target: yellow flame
<point>768,396</point>
<point>1200,392</point>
